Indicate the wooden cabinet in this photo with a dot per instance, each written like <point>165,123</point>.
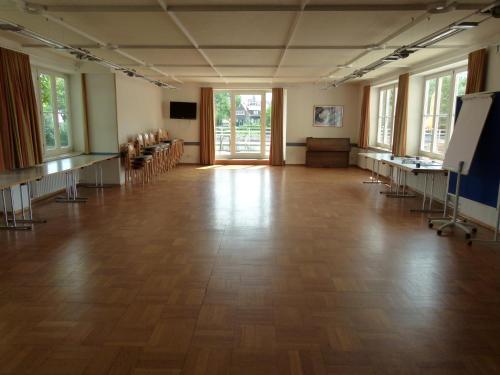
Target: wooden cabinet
<point>328,152</point>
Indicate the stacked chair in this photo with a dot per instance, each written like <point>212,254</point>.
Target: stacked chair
<point>147,155</point>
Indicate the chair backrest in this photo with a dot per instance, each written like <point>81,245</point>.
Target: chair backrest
<point>152,138</point>
<point>146,139</point>
<point>140,141</point>
<point>131,151</point>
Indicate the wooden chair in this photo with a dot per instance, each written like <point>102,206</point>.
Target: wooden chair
<point>136,166</point>
<point>142,146</point>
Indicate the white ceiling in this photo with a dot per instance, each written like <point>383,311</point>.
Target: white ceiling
<point>246,46</point>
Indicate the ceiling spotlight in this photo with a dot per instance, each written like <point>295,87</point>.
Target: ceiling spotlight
<point>440,7</point>
<point>9,27</point>
<point>464,25</point>
<point>110,46</point>
<point>391,58</point>
<point>405,53</point>
<point>92,58</point>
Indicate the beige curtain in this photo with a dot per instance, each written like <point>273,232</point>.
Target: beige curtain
<point>400,117</point>
<point>20,140</point>
<point>276,156</point>
<point>476,71</point>
<point>207,127</point>
<point>364,128</point>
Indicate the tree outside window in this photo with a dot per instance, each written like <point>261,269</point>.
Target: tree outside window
<point>53,90</point>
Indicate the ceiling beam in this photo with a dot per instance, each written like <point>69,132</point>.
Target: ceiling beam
<point>244,47</point>
<point>102,44</point>
<point>188,35</point>
<point>216,8</point>
<point>291,34</point>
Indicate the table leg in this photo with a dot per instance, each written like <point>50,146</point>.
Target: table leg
<point>11,224</point>
<point>401,186</point>
<point>99,184</point>
<point>373,179</point>
<point>71,190</point>
<point>29,219</point>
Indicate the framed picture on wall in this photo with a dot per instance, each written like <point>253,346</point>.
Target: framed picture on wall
<point>328,115</point>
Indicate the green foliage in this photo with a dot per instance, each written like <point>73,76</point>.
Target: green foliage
<point>50,119</point>
<point>222,107</point>
<point>45,92</point>
<point>268,116</point>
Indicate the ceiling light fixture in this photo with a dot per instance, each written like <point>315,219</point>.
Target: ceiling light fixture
<point>79,53</point>
<point>465,25</point>
<point>406,51</point>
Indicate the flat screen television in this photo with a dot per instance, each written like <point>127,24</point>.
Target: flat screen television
<point>183,110</point>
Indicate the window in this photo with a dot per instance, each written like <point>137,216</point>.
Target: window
<point>385,118</point>
<point>54,113</point>
<point>440,96</point>
<point>242,124</point>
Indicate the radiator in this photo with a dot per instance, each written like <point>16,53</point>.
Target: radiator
<point>49,185</point>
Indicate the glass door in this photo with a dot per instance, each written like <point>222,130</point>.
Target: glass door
<point>242,124</point>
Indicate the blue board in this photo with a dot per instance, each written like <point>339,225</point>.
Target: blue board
<point>481,184</point>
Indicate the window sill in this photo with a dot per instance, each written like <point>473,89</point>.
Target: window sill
<point>431,155</point>
<point>61,156</point>
<point>379,149</point>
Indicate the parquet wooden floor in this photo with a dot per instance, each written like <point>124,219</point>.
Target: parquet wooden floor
<point>245,270</point>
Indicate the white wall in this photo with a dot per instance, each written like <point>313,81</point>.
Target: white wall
<point>103,125</point>
<point>188,130</point>
<point>102,119</point>
<point>138,106</point>
<point>78,130</point>
<point>299,115</point>
<point>300,102</point>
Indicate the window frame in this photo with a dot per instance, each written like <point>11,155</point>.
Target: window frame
<point>58,149</point>
<point>451,115</point>
<point>393,86</point>
<point>233,154</point>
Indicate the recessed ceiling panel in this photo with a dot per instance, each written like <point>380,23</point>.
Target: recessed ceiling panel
<point>299,72</point>
<point>247,72</point>
<point>128,28</point>
<point>244,57</point>
<point>318,57</point>
<point>349,28</point>
<point>238,28</point>
<point>189,71</point>
<point>168,56</point>
<point>209,79</point>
